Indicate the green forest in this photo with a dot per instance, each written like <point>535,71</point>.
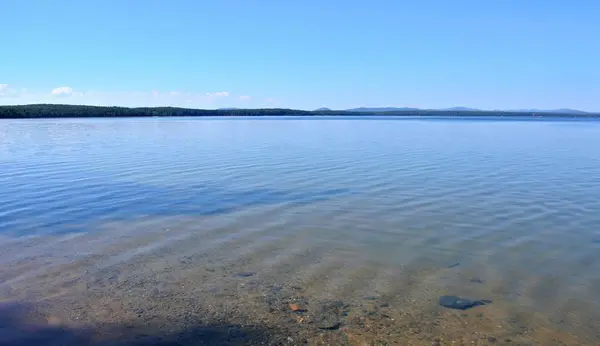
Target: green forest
<point>74,111</point>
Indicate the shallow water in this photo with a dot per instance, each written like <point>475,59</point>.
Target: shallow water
<point>103,218</point>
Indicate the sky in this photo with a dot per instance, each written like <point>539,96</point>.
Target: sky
<point>509,54</point>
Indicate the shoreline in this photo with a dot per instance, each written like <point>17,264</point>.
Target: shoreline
<point>273,294</point>
<point>49,111</point>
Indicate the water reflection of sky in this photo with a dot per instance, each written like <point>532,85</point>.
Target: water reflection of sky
<point>485,173</point>
<point>45,206</point>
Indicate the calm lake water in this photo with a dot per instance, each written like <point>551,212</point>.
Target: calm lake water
<point>385,214</point>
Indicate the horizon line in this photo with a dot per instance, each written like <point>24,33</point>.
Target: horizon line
<point>395,108</point>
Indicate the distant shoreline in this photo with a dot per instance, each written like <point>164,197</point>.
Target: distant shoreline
<point>44,111</point>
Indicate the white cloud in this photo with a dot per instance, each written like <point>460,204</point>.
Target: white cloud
<point>133,98</point>
<point>5,91</point>
<point>62,91</point>
<point>218,94</point>
<point>244,98</point>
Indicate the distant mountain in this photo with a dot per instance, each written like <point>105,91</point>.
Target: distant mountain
<point>562,111</point>
<point>82,111</point>
<point>466,109</point>
<point>322,109</point>
<point>381,109</point>
<point>227,109</point>
<point>460,109</point>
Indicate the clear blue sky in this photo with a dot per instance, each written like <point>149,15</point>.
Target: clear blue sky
<point>302,54</point>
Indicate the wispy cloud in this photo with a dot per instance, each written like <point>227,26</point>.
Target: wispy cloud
<point>7,91</point>
<point>218,94</point>
<point>65,91</point>
<point>136,98</point>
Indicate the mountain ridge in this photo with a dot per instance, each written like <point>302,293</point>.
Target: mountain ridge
<point>381,109</point>
<point>466,109</point>
<point>83,111</point>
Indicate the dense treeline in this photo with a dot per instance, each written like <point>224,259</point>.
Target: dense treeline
<point>72,111</point>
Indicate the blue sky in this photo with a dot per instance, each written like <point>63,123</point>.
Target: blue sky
<point>302,54</point>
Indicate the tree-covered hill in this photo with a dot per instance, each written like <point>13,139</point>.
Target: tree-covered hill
<point>75,111</point>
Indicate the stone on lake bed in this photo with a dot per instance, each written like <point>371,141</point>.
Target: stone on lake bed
<point>243,274</point>
<point>276,288</point>
<point>328,321</point>
<point>328,315</point>
<point>370,298</point>
<point>454,302</point>
<point>297,308</point>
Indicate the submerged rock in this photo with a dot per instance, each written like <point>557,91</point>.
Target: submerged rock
<point>329,315</point>
<point>243,274</point>
<point>329,322</point>
<point>212,290</point>
<point>276,288</point>
<point>297,308</point>
<point>454,302</point>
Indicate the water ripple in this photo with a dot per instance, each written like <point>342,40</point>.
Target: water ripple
<point>348,207</point>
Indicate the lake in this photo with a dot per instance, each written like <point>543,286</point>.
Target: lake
<point>313,230</point>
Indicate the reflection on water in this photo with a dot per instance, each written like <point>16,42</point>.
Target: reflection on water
<point>118,220</point>
<point>45,204</point>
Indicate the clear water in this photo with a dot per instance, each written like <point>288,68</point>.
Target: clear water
<point>496,208</point>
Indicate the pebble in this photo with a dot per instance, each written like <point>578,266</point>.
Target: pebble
<point>454,302</point>
<point>297,308</point>
<point>328,316</point>
<point>328,322</point>
<point>243,274</point>
<point>276,288</point>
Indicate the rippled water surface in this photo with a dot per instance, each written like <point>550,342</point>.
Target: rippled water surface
<point>384,214</point>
